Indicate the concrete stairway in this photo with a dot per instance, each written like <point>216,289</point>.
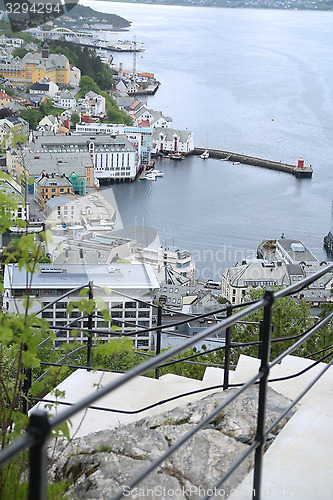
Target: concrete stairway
<point>299,463</point>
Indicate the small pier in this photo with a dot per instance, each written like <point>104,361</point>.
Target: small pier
<point>298,171</point>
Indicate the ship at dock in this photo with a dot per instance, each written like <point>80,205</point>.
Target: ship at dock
<point>328,242</point>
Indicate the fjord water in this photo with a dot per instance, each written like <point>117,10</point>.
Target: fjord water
<point>251,81</point>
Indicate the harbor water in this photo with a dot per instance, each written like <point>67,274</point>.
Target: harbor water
<point>257,82</point>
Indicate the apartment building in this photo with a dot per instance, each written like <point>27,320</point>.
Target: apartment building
<point>112,156</point>
<point>139,137</point>
<point>118,287</point>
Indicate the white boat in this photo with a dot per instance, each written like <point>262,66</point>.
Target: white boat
<point>150,177</point>
<point>157,173</point>
<point>204,155</point>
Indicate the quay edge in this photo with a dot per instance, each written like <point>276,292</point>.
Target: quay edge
<point>305,172</point>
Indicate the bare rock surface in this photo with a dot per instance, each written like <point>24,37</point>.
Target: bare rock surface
<point>100,464</point>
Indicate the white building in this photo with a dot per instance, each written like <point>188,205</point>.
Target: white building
<point>13,162</point>
<point>114,157</point>
<point>139,137</point>
<point>74,75</point>
<point>179,260</point>
<point>238,280</point>
<point>96,103</point>
<point>126,86</point>
<point>62,210</point>
<point>11,126</point>
<point>64,99</point>
<point>6,133</point>
<point>49,123</point>
<point>44,86</point>
<point>155,118</point>
<point>11,188</point>
<point>125,283</point>
<point>171,140</point>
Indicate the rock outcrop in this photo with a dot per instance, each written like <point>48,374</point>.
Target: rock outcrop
<point>100,464</point>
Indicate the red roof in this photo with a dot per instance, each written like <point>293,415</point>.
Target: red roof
<point>134,104</point>
<point>144,123</point>
<point>3,95</point>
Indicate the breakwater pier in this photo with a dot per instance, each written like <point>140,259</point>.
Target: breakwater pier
<point>298,170</point>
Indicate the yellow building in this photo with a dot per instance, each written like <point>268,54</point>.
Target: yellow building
<point>4,98</point>
<point>36,65</point>
<point>51,186</point>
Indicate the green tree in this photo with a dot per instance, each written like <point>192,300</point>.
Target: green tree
<point>87,61</point>
<point>19,52</point>
<point>75,118</point>
<point>32,116</point>
<point>290,318</point>
<point>45,107</point>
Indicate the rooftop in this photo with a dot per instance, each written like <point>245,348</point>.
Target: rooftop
<point>259,271</point>
<point>76,143</point>
<point>296,250</point>
<point>58,200</point>
<point>124,276</point>
<point>170,133</point>
<point>58,163</point>
<point>54,180</point>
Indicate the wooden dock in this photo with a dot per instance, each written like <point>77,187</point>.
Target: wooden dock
<point>256,162</point>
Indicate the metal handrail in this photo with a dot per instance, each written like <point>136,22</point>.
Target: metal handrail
<point>40,425</point>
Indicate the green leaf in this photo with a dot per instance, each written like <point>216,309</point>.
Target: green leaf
<point>115,346</point>
<point>29,360</point>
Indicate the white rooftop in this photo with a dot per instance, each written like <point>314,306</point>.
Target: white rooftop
<point>124,276</point>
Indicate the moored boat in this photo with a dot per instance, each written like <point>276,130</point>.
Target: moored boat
<point>204,155</point>
<point>150,177</point>
<point>157,173</point>
<point>176,156</point>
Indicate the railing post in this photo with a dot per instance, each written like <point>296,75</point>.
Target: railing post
<point>90,320</point>
<point>158,338</point>
<point>264,368</point>
<point>26,389</point>
<point>227,352</point>
<point>39,426</point>
<point>260,338</point>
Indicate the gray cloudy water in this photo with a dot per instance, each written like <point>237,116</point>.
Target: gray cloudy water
<point>245,80</point>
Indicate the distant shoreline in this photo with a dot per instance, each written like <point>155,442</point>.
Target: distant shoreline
<point>308,7</point>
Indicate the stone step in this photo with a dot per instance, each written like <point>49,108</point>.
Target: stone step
<point>291,388</point>
<point>136,394</point>
<point>246,368</point>
<point>291,365</point>
<point>215,376</point>
<point>172,378</point>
